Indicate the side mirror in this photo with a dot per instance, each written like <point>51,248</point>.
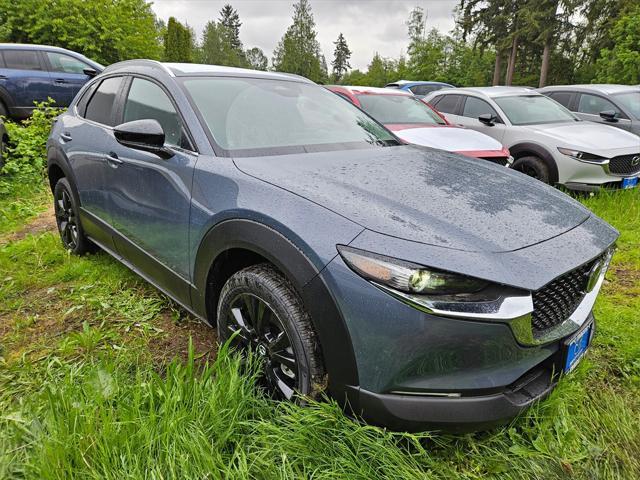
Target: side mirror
<point>146,134</point>
<point>90,72</point>
<point>488,119</point>
<point>609,116</point>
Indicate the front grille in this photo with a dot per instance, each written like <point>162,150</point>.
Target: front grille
<point>625,164</point>
<point>497,160</point>
<point>556,301</point>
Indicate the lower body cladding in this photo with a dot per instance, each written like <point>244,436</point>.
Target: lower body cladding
<point>418,371</point>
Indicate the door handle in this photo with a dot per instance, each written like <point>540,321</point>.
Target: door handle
<point>60,80</point>
<point>113,160</point>
<point>65,137</point>
<point>3,77</point>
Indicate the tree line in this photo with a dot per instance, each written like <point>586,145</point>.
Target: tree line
<point>520,42</point>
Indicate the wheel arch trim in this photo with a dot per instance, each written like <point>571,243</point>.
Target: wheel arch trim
<point>524,148</point>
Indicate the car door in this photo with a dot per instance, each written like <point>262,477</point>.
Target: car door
<point>589,106</point>
<point>86,136</point>
<point>448,105</point>
<point>24,78</point>
<point>472,108</point>
<point>151,194</point>
<point>67,76</point>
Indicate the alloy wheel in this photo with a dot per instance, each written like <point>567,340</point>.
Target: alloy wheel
<point>260,330</point>
<point>66,220</point>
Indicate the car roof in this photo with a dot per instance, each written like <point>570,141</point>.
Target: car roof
<point>26,46</point>
<point>196,69</point>
<point>416,82</point>
<point>606,88</point>
<point>372,90</point>
<point>491,92</point>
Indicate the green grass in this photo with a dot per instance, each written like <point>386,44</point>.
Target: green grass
<point>88,388</point>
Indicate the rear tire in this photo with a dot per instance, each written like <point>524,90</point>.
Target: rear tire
<point>68,219</point>
<point>533,167</point>
<point>261,305</point>
<point>3,110</point>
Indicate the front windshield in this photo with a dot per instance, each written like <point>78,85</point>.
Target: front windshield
<point>631,101</point>
<point>390,109</point>
<point>249,116</point>
<point>533,109</point>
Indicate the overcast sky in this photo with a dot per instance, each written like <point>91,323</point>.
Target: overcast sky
<point>368,25</point>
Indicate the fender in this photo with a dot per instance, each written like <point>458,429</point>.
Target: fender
<point>523,149</point>
<point>262,240</point>
<point>55,156</point>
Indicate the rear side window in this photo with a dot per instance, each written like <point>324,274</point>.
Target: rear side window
<point>100,107</point>
<point>82,103</point>
<point>22,59</point>
<point>563,98</point>
<point>474,107</point>
<point>448,104</point>
<point>422,90</point>
<point>146,100</point>
<point>65,63</point>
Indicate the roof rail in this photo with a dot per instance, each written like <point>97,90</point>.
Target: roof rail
<point>142,62</point>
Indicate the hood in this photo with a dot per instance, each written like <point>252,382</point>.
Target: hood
<point>452,139</point>
<point>425,195</point>
<point>589,136</point>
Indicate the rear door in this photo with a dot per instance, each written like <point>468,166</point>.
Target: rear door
<point>24,78</point>
<point>67,76</point>
<point>150,194</point>
<point>86,138</point>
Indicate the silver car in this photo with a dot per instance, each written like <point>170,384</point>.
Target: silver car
<point>547,141</point>
<point>615,105</point>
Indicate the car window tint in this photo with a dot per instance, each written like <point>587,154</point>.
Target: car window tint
<point>65,63</point>
<point>448,104</point>
<point>594,104</point>
<point>474,107</point>
<point>82,103</point>
<point>389,109</point>
<point>563,98</point>
<point>631,101</point>
<point>146,100</point>
<point>22,59</point>
<point>100,106</point>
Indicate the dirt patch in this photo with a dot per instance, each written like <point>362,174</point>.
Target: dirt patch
<point>44,222</point>
<point>174,340</point>
<point>626,277</point>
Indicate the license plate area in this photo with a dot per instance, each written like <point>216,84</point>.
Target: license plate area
<point>576,346</point>
<point>629,182</point>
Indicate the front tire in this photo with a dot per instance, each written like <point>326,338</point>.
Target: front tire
<point>533,167</point>
<point>261,305</point>
<point>68,219</point>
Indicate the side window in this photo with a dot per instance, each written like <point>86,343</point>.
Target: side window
<point>474,107</point>
<point>82,103</point>
<point>100,107</point>
<point>594,104</point>
<point>65,63</point>
<point>22,59</point>
<point>423,90</point>
<point>147,100</point>
<point>448,104</point>
<point>563,98</point>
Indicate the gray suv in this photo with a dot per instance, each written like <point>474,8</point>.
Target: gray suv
<point>615,105</point>
<point>418,287</point>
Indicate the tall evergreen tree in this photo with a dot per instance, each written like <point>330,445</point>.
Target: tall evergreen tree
<point>341,56</point>
<point>299,50</point>
<point>230,19</point>
<point>178,42</point>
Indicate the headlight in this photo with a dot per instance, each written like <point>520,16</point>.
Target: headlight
<point>583,156</point>
<point>408,277</point>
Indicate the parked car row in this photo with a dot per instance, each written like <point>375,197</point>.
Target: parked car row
<point>417,287</point>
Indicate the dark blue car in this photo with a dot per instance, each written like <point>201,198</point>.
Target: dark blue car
<point>33,73</point>
<point>417,287</point>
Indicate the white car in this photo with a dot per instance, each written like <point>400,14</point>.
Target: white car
<point>415,122</point>
<point>547,141</point>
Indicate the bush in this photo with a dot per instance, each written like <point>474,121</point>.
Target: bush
<point>27,152</point>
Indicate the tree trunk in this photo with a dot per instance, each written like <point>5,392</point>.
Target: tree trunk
<point>498,68</point>
<point>511,66</point>
<point>544,69</point>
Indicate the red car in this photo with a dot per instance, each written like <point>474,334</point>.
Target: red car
<point>416,122</point>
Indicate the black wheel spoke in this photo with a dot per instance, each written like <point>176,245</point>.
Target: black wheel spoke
<point>279,343</point>
<point>245,329</point>
<point>284,389</point>
<point>285,359</point>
